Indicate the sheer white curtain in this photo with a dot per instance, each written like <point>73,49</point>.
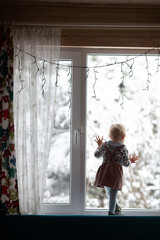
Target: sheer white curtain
<point>35,65</point>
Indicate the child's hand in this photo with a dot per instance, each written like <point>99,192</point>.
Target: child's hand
<point>134,158</point>
<point>99,141</point>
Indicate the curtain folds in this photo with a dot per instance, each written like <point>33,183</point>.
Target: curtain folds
<point>36,58</point>
<point>9,203</point>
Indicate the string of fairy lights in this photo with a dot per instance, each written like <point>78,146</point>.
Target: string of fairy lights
<point>40,66</point>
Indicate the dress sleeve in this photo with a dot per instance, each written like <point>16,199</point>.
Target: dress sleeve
<point>125,157</point>
<point>99,151</point>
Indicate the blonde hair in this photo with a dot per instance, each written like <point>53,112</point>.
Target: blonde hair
<point>117,132</point>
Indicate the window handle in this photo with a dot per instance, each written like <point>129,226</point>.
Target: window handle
<point>76,137</point>
<point>77,134</point>
<point>81,130</point>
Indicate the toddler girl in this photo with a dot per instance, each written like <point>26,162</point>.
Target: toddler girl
<point>110,173</point>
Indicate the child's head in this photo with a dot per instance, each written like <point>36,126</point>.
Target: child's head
<point>117,132</point>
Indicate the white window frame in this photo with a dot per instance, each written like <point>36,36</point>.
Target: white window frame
<point>78,135</point>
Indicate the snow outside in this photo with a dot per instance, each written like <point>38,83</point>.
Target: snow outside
<point>138,109</point>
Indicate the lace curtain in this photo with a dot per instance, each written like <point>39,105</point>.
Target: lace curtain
<point>35,62</point>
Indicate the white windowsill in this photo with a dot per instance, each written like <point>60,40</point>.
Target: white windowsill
<point>127,212</point>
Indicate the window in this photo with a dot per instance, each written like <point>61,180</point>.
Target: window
<point>63,187</point>
<point>59,170</point>
<point>69,188</point>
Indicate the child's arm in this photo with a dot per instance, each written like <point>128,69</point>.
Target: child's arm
<point>134,158</point>
<point>99,141</point>
<point>126,159</point>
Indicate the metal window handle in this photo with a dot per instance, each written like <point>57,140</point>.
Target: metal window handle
<point>77,132</point>
<point>76,137</point>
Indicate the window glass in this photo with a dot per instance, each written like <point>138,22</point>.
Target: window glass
<point>57,188</point>
<point>118,93</point>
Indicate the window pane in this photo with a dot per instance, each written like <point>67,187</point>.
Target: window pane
<point>139,111</point>
<point>58,176</point>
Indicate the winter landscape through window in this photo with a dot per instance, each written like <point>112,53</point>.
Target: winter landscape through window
<point>137,109</point>
<point>140,115</point>
<point>58,177</point>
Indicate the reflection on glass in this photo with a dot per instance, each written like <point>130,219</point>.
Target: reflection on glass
<point>139,111</point>
<point>58,176</point>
